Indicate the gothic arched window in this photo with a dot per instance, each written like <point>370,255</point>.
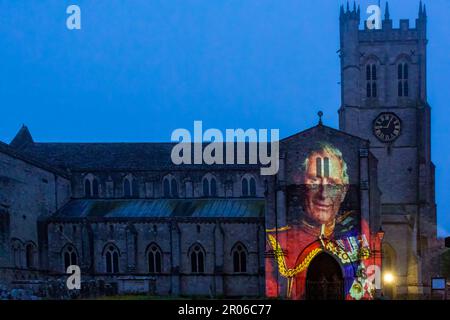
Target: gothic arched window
<point>91,186</point>
<point>245,187</point>
<point>174,188</point>
<point>16,251</point>
<point>154,259</point>
<point>197,256</point>
<point>95,188</point>
<point>69,256</point>
<point>213,187</point>
<point>402,75</point>
<point>170,187</point>
<point>130,187</point>
<point>318,167</point>
<point>205,187</point>
<point>209,186</point>
<point>252,187</point>
<point>371,80</point>
<point>87,188</point>
<point>239,258</point>
<point>323,167</point>
<point>326,167</point>
<point>112,259</point>
<point>248,186</point>
<point>166,187</point>
<point>135,188</point>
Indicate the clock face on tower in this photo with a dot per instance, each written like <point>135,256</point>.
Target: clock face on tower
<point>387,127</point>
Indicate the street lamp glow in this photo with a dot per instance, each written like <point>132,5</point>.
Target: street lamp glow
<point>388,278</point>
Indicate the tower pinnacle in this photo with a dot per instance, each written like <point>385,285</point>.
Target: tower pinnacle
<point>387,16</point>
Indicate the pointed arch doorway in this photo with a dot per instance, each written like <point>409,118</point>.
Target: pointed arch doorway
<point>324,279</point>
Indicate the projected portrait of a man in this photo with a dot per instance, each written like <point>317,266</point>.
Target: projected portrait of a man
<point>316,212</point>
<point>325,183</point>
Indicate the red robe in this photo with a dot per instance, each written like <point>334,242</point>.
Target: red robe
<point>296,244</point>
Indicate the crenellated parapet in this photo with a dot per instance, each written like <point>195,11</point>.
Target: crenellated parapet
<point>350,21</point>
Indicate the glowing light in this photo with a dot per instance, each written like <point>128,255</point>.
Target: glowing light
<point>388,278</point>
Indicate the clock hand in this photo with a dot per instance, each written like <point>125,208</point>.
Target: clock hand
<point>389,124</point>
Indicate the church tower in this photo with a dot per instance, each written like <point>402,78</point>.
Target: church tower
<point>384,100</point>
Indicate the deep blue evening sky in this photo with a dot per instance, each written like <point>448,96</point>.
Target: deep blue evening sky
<point>139,69</point>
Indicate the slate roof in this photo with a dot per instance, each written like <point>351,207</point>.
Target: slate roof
<point>129,156</point>
<point>13,152</point>
<point>160,208</point>
<point>114,156</point>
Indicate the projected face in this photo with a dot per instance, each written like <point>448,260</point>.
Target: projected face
<point>319,221</point>
<point>325,184</point>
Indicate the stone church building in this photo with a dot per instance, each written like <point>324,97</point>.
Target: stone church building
<point>138,223</point>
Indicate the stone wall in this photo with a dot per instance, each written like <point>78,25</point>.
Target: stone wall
<point>28,192</point>
<point>216,237</point>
